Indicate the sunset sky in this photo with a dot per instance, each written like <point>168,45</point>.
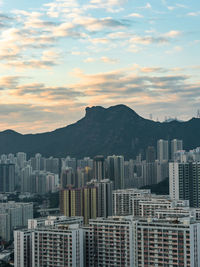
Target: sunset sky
<point>57,57</point>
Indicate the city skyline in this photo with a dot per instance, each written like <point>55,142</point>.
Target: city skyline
<point>59,56</point>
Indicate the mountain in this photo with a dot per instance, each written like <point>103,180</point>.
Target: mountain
<point>115,130</point>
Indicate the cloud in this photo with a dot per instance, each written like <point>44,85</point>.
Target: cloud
<point>49,58</point>
<point>172,34</point>
<point>146,40</point>
<point>141,89</point>
<point>32,64</point>
<point>102,59</point>
<point>161,39</point>
<point>47,42</point>
<point>137,86</point>
<point>147,6</point>
<point>8,82</point>
<point>32,118</point>
<point>94,24</point>
<point>89,60</point>
<point>112,6</point>
<point>135,15</point>
<point>49,93</point>
<point>194,14</point>
<point>152,69</point>
<point>171,8</point>
<point>109,60</point>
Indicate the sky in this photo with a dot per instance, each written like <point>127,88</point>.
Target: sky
<point>59,56</point>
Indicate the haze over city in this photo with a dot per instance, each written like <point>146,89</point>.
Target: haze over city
<point>57,57</point>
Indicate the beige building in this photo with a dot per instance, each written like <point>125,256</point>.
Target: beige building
<point>79,202</point>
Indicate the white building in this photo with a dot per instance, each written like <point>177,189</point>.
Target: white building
<point>51,241</point>
<point>174,180</point>
<point>60,245</point>
<point>176,145</point>
<point>14,215</point>
<point>111,242</point>
<point>123,200</point>
<point>162,150</point>
<point>168,242</point>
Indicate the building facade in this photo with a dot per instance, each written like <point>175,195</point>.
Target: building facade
<point>184,181</point>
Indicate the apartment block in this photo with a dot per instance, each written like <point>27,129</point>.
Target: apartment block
<point>169,242</point>
<point>79,202</point>
<point>123,200</point>
<point>184,181</point>
<point>111,242</point>
<point>51,241</point>
<point>14,215</point>
<point>61,245</point>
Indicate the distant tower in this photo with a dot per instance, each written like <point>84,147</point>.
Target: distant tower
<point>99,168</point>
<point>198,113</point>
<point>162,150</point>
<point>104,195</point>
<point>150,116</point>
<point>150,154</point>
<point>7,177</point>
<point>175,146</point>
<point>115,171</point>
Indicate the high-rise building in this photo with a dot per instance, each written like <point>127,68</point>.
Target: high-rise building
<point>176,145</point>
<point>150,154</point>
<point>123,201</point>
<point>52,165</point>
<point>83,175</point>
<point>125,241</point>
<point>115,171</point>
<point>79,202</point>
<point>71,202</point>
<point>162,170</point>
<point>11,158</point>
<point>184,181</point>
<point>38,162</point>
<point>3,158</point>
<point>85,162</point>
<point>23,248</point>
<point>54,220</point>
<point>141,203</point>
<point>69,162</point>
<point>7,177</point>
<point>149,173</point>
<point>5,231</point>
<point>67,177</point>
<point>53,241</point>
<point>168,242</point>
<point>104,194</point>
<point>21,159</point>
<point>61,245</point>
<point>99,168</point>
<point>14,215</point>
<point>111,242</point>
<point>162,150</point>
<point>42,182</point>
<point>26,183</point>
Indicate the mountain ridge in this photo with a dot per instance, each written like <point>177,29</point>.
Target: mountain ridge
<point>114,130</point>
